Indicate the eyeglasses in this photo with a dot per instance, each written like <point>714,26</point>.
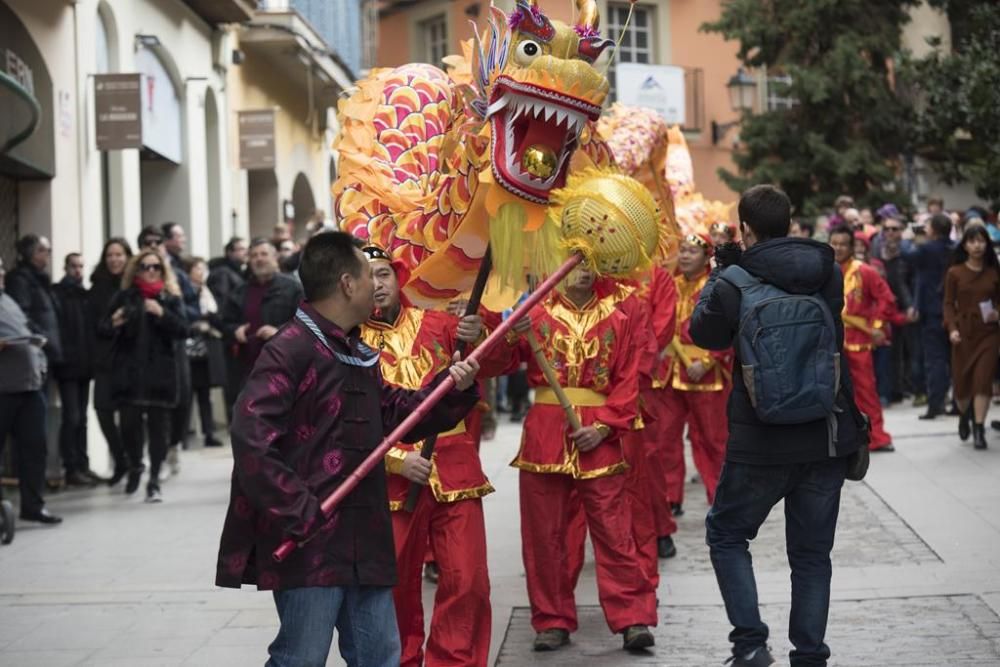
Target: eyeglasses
<point>146,268</point>
<point>889,228</point>
<point>152,243</point>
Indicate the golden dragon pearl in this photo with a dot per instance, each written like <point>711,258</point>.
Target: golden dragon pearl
<point>539,161</point>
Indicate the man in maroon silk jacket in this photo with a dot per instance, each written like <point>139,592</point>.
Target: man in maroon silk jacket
<point>312,409</point>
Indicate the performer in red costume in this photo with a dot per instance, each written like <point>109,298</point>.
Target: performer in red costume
<point>868,306</point>
<point>587,340</point>
<point>415,346</point>
<point>659,294</point>
<point>699,383</point>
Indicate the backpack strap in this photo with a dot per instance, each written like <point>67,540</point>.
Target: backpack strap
<point>738,277</point>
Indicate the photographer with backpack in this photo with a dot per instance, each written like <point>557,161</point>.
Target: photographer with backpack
<point>794,431</point>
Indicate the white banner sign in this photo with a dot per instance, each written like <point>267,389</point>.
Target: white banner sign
<point>658,87</point>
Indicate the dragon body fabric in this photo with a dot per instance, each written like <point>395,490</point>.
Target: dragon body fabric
<point>435,165</point>
<point>645,147</point>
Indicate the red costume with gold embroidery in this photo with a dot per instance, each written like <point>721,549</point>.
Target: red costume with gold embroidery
<point>658,293</point>
<point>699,403</point>
<point>449,515</point>
<point>868,305</point>
<point>592,351</point>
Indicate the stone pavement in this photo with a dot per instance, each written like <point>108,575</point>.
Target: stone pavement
<point>916,573</point>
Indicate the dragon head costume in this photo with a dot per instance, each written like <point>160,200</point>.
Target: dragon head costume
<point>434,165</point>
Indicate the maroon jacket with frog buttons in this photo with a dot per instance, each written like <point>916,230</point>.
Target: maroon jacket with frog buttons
<point>308,415</point>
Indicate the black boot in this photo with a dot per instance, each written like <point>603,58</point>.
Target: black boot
<point>964,424</point>
<point>979,436</point>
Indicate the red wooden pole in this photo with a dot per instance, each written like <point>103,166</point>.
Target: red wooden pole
<point>375,458</point>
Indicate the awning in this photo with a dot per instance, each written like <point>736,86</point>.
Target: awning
<point>223,11</point>
<point>287,40</point>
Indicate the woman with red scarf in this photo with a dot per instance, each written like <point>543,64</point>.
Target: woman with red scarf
<point>146,322</point>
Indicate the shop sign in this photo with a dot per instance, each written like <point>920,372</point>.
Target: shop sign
<point>118,105</point>
<point>257,139</point>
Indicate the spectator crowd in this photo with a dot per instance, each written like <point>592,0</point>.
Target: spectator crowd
<point>147,341</point>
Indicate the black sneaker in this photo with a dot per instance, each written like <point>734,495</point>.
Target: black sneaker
<point>677,509</point>
<point>760,657</point>
<point>637,637</point>
<point>665,547</point>
<point>132,485</point>
<point>78,480</point>
<point>551,640</point>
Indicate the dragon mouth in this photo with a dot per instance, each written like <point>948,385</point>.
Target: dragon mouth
<point>535,131</point>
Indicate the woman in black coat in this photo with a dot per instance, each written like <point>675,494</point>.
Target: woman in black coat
<point>106,281</point>
<point>147,322</point>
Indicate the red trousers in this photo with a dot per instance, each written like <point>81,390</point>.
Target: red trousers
<point>655,444</point>
<point>638,492</point>
<point>625,592</point>
<point>862,367</point>
<point>640,500</point>
<point>705,414</point>
<point>460,624</point>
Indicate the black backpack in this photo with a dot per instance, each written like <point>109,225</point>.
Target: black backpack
<point>787,349</point>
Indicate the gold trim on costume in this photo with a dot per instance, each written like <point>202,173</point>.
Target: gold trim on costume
<point>578,397</point>
<point>401,364</point>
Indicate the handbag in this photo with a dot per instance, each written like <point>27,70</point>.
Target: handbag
<point>857,462</point>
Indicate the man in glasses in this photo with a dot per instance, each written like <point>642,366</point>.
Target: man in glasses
<point>152,238</point>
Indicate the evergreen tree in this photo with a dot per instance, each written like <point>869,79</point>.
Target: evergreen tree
<point>848,128</point>
<point>957,97</point>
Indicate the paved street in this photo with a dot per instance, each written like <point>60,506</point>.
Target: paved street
<point>915,583</point>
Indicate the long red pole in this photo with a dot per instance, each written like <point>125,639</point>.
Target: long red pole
<point>375,458</point>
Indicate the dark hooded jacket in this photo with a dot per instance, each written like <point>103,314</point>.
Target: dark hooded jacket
<point>798,266</point>
<point>32,290</point>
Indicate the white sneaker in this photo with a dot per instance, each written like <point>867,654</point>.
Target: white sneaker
<point>153,494</point>
<point>174,460</point>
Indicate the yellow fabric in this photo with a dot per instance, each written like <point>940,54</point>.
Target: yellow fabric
<point>409,370</point>
<point>572,467</point>
<point>686,289</point>
<point>394,460</point>
<point>578,397</point>
<point>575,346</point>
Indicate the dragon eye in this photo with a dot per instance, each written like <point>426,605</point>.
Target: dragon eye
<point>526,52</point>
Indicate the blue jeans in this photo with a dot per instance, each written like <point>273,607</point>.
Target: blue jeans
<point>743,499</point>
<point>364,616</point>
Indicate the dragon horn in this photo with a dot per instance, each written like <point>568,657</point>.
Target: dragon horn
<point>589,17</point>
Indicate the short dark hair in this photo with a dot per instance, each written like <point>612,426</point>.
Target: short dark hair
<point>807,225</point>
<point>70,256</point>
<point>941,225</point>
<point>168,229</point>
<point>191,262</point>
<point>148,231</point>
<point>844,230</point>
<point>231,244</point>
<point>26,245</point>
<point>767,211</point>
<point>326,257</point>
<point>259,240</point>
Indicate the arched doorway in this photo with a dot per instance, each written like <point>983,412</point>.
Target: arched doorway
<point>262,193</point>
<point>304,202</point>
<point>165,195</point>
